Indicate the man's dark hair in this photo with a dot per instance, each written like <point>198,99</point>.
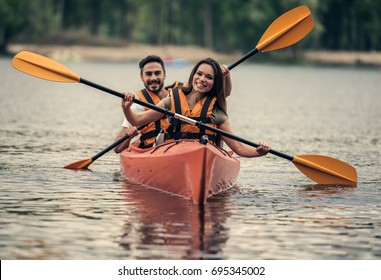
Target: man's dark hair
<point>151,58</point>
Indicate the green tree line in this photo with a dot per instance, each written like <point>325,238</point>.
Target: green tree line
<point>221,25</point>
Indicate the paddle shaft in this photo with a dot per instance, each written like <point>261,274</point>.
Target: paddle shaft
<point>177,116</point>
<point>219,131</point>
<point>97,86</point>
<point>284,31</point>
<point>242,59</point>
<point>115,144</point>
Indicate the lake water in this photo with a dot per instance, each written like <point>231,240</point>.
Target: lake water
<point>274,212</point>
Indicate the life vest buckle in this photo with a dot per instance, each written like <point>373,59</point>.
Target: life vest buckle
<point>204,139</point>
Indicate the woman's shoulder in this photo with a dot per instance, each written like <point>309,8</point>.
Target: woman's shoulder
<point>219,115</point>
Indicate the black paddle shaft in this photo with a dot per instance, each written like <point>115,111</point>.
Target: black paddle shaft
<point>113,145</point>
<point>242,59</point>
<point>182,118</point>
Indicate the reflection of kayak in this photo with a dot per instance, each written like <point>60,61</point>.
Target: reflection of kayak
<point>185,168</point>
<point>166,227</point>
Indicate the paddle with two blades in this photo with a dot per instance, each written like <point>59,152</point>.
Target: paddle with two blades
<point>319,168</point>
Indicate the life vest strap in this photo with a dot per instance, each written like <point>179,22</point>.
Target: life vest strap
<point>174,129</point>
<point>149,100</point>
<point>148,135</point>
<point>189,135</point>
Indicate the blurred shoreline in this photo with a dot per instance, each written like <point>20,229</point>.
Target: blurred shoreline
<point>184,54</point>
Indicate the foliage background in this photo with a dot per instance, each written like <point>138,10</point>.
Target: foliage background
<point>220,25</point>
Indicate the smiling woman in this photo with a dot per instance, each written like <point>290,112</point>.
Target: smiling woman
<point>202,82</point>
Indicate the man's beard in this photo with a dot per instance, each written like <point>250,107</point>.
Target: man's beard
<point>157,84</point>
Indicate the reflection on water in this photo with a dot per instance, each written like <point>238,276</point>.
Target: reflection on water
<point>169,227</point>
<point>274,212</point>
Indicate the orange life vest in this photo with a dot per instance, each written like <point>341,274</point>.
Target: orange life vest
<point>176,84</point>
<point>201,112</point>
<point>149,133</point>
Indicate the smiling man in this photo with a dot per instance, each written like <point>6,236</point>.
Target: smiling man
<point>152,74</point>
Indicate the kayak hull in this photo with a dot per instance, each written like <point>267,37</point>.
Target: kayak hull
<point>187,169</point>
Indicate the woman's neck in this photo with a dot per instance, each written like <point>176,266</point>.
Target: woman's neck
<point>193,98</point>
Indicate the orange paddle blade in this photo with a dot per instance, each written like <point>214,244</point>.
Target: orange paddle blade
<point>43,68</point>
<point>81,164</point>
<point>326,170</point>
<point>286,30</point>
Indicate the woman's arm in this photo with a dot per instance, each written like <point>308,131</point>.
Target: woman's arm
<point>227,80</point>
<point>240,148</point>
<point>138,119</point>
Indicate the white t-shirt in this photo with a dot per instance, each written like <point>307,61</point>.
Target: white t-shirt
<point>138,109</point>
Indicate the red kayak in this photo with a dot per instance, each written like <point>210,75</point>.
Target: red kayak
<point>187,169</point>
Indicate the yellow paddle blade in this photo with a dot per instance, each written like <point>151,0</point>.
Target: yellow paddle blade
<point>286,30</point>
<point>326,170</point>
<point>43,67</point>
<point>81,164</point>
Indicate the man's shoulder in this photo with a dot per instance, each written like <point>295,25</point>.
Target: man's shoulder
<point>175,85</point>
